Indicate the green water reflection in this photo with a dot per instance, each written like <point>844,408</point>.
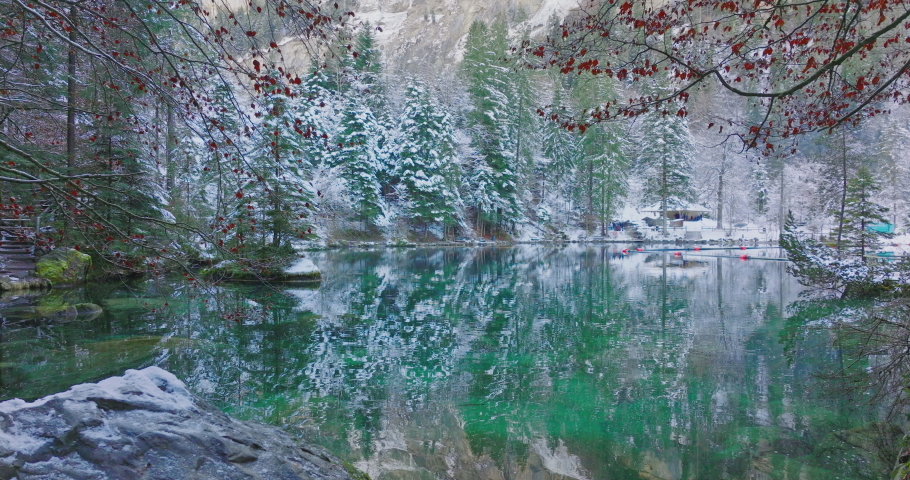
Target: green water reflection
<point>519,363</point>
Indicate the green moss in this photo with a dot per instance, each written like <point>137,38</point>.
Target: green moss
<point>79,310</point>
<point>354,472</point>
<point>63,266</point>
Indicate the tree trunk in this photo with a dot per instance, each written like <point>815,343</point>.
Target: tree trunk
<point>781,214</point>
<point>663,195</point>
<point>71,97</point>
<point>603,203</point>
<point>276,233</point>
<point>720,200</point>
<point>862,225</point>
<point>720,188</point>
<point>169,149</point>
<point>589,217</point>
<point>843,194</point>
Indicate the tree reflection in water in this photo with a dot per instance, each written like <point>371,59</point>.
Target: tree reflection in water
<point>527,362</point>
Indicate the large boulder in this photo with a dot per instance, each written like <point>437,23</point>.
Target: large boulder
<point>146,424</point>
<point>64,266</point>
<point>302,270</point>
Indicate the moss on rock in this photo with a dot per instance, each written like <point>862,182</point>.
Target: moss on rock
<point>354,472</point>
<point>63,266</point>
<point>85,311</point>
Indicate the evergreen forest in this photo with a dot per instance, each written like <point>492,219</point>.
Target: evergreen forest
<point>165,133</point>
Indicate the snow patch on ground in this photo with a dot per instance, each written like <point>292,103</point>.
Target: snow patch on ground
<point>303,266</point>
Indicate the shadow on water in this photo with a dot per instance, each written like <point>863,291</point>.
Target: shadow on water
<point>529,362</point>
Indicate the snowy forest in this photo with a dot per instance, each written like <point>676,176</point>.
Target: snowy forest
<point>182,150</point>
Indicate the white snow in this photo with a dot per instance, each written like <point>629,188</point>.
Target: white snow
<point>559,460</point>
<point>304,266</point>
<point>151,387</point>
<point>390,24</point>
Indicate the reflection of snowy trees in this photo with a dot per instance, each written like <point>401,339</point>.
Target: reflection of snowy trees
<point>521,351</point>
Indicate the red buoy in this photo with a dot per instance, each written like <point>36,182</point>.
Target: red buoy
<point>677,254</point>
<point>742,247</point>
<point>697,249</point>
<point>639,249</point>
<point>625,251</point>
<point>743,257</point>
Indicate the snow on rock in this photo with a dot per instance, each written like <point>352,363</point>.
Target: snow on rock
<point>303,266</point>
<point>146,424</point>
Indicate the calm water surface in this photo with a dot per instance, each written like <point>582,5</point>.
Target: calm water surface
<point>510,363</point>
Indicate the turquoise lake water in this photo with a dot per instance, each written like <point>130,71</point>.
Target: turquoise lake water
<point>530,362</point>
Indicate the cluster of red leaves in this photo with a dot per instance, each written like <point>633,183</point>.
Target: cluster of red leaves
<point>809,65</point>
<point>132,58</point>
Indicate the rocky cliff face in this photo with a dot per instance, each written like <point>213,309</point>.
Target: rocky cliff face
<point>145,424</point>
<point>429,35</point>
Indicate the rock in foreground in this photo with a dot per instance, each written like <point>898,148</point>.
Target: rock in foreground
<point>145,424</point>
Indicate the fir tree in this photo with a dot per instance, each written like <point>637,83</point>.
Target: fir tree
<point>273,201</point>
<point>492,122</point>
<point>603,169</point>
<point>760,180</point>
<point>561,151</point>
<point>860,211</point>
<point>365,64</point>
<point>665,160</point>
<point>361,159</point>
<point>428,169</point>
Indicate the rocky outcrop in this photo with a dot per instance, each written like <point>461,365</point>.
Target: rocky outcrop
<point>146,425</point>
<point>63,266</point>
<point>300,270</point>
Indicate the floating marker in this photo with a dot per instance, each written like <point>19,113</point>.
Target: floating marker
<point>639,249</point>
<point>625,251</point>
<point>697,249</point>
<point>742,247</point>
<point>677,254</point>
<point>743,257</point>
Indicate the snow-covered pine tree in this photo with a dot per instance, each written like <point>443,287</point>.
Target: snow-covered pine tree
<point>428,166</point>
<point>273,202</point>
<point>360,159</point>
<point>365,65</point>
<point>317,116</point>
<point>114,148</point>
<point>604,166</point>
<point>556,171</point>
<point>665,159</point>
<point>760,180</point>
<point>492,122</point>
<point>609,172</point>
